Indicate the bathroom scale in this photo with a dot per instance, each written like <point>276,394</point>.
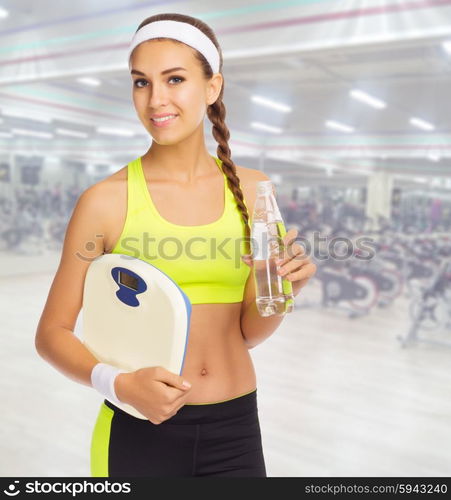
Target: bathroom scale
<point>134,316</point>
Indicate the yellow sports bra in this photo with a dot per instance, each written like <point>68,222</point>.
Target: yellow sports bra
<point>205,261</point>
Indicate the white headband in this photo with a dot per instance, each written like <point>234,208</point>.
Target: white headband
<point>183,32</point>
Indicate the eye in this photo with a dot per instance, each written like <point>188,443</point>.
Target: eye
<point>136,82</point>
<point>177,78</point>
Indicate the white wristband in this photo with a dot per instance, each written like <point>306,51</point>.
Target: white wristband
<point>102,379</point>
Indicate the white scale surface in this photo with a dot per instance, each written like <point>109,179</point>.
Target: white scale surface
<point>139,328</point>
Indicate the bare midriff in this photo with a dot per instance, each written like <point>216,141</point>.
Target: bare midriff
<point>217,361</point>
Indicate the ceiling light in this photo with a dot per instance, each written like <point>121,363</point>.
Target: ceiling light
<point>26,115</point>
<point>367,99</point>
<point>71,133</point>
<point>421,124</point>
<point>5,134</point>
<point>447,46</point>
<point>339,126</point>
<point>94,82</point>
<point>32,133</point>
<point>115,131</point>
<point>434,157</point>
<point>3,13</point>
<point>266,128</point>
<point>48,118</point>
<point>271,104</point>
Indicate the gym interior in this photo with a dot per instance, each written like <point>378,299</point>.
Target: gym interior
<point>345,106</point>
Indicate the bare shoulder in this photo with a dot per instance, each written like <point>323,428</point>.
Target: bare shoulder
<point>120,175</point>
<point>115,185</point>
<point>111,195</point>
<point>103,196</point>
<point>250,175</point>
<point>248,181</point>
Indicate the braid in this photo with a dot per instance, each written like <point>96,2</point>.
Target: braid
<point>216,113</point>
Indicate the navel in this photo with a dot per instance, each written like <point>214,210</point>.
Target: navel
<point>203,372</point>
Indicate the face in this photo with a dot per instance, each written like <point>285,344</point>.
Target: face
<point>181,92</point>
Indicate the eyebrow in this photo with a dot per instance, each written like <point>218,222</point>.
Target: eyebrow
<point>170,70</point>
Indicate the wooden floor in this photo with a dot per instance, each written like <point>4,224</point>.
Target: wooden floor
<point>336,396</point>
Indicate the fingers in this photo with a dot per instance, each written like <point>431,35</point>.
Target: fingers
<point>177,400</point>
<point>294,270</point>
<point>181,401</point>
<point>172,379</point>
<point>294,251</point>
<point>177,395</point>
<point>247,259</point>
<point>291,249</point>
<point>290,236</point>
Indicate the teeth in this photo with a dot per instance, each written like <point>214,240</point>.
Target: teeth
<point>163,119</point>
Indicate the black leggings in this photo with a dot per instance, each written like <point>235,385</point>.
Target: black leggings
<point>217,439</point>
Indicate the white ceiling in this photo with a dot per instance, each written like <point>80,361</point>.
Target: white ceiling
<point>308,54</point>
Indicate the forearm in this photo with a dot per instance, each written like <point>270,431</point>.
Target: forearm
<point>256,328</point>
<point>64,351</point>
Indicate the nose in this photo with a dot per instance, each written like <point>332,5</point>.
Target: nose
<point>157,97</point>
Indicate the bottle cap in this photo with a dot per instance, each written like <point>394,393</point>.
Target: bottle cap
<point>264,187</point>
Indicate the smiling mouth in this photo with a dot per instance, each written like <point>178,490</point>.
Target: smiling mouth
<point>163,123</point>
<point>164,119</point>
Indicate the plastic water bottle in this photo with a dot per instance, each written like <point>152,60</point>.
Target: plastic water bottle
<point>274,293</point>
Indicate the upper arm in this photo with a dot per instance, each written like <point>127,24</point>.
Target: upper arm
<point>251,193</point>
<point>83,241</point>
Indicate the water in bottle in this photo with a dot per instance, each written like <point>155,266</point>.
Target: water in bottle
<point>274,293</point>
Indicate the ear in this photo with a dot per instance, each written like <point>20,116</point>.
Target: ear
<point>214,88</point>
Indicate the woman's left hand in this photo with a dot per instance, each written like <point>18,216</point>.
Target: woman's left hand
<point>295,265</point>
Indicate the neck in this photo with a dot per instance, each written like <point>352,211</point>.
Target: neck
<point>184,162</point>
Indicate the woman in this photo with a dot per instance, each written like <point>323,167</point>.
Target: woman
<point>204,422</point>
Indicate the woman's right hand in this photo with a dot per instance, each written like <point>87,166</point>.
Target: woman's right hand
<point>154,391</point>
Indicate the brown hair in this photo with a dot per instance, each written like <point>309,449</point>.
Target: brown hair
<point>216,112</point>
